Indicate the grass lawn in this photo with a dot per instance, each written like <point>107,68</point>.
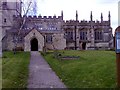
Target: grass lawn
<point>15,69</point>
<point>0,73</point>
<point>94,69</point>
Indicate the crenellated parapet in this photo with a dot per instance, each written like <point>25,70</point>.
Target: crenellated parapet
<point>39,17</point>
<point>85,22</point>
<point>70,22</point>
<point>57,21</point>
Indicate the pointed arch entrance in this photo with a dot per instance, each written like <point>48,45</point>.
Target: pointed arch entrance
<point>84,45</point>
<point>33,41</point>
<point>34,44</point>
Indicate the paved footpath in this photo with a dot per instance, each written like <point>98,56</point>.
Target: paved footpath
<point>41,75</point>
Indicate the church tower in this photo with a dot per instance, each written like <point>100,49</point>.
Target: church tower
<point>7,10</point>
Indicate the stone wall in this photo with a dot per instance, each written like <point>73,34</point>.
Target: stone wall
<point>10,44</point>
<point>59,41</point>
<point>33,34</point>
<point>46,25</point>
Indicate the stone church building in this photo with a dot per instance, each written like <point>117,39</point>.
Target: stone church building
<point>52,32</point>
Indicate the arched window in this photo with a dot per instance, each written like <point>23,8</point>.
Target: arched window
<point>83,35</point>
<point>49,38</point>
<point>69,35</point>
<point>98,35</point>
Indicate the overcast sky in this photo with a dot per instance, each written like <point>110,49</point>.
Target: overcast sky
<point>84,7</point>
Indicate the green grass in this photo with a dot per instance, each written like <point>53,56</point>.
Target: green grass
<point>15,69</point>
<point>0,73</point>
<point>94,69</point>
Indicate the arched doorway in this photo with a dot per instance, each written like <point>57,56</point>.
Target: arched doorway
<point>34,44</point>
<point>84,45</point>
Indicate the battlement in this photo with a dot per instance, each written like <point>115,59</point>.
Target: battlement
<point>71,21</point>
<point>85,22</point>
<point>39,17</point>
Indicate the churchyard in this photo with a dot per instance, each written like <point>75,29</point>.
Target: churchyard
<point>15,69</point>
<point>93,69</point>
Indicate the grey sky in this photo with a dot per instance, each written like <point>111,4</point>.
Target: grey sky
<point>107,1</point>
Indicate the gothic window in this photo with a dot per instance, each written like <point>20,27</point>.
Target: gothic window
<point>40,27</point>
<point>69,35</point>
<point>51,26</point>
<point>98,35</point>
<point>4,5</point>
<point>83,35</point>
<point>49,38</point>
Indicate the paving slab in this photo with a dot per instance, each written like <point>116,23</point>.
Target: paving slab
<point>41,75</point>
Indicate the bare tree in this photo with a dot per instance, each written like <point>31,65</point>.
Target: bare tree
<point>25,9</point>
<point>22,10</point>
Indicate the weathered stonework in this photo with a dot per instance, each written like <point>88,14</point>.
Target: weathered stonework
<point>52,32</point>
<point>33,34</point>
<point>59,41</point>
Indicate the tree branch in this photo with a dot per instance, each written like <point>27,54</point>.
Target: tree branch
<point>24,18</point>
